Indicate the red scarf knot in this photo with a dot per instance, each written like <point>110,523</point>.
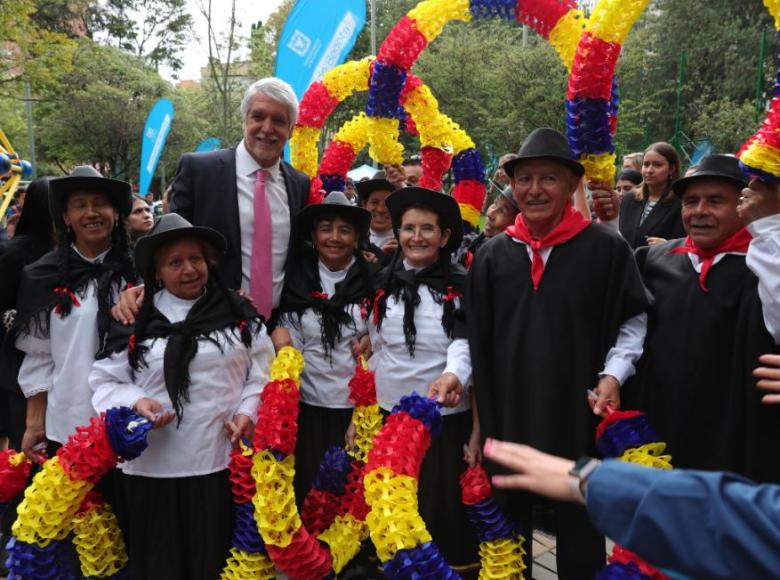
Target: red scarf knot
<point>364,306</point>
<point>452,294</point>
<point>319,295</point>
<point>65,292</point>
<point>241,325</point>
<point>377,297</point>
<point>738,242</point>
<point>571,224</point>
<point>131,343</point>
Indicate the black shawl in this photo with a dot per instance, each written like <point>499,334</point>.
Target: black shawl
<point>447,282</point>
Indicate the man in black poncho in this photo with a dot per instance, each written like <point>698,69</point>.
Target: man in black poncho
<point>556,307</point>
<point>715,311</point>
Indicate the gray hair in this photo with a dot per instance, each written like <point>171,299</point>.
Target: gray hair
<point>275,89</point>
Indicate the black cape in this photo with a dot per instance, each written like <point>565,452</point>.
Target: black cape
<point>694,379</point>
<point>536,353</point>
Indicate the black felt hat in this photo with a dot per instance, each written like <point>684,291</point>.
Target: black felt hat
<point>170,228</point>
<point>445,206</point>
<point>87,178</point>
<point>723,167</point>
<point>545,143</point>
<point>366,188</point>
<point>334,203</point>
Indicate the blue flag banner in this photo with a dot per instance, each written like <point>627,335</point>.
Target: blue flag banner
<point>316,38</point>
<point>158,124</point>
<point>209,144</point>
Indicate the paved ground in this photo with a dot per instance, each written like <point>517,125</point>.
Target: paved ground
<point>544,555</point>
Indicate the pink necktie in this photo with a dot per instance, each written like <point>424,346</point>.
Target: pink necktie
<point>261,287</point>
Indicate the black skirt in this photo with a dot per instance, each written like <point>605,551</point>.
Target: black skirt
<point>441,505</point>
<point>318,429</point>
<point>178,527</point>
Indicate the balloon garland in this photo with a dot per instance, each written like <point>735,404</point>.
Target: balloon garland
<point>628,436</point>
<point>760,155</point>
<point>58,501</point>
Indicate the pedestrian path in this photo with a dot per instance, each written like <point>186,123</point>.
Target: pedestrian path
<point>544,555</point>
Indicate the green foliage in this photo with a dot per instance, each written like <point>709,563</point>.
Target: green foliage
<point>726,123</point>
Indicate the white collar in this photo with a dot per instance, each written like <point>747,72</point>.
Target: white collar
<point>407,266</point>
<point>96,260</point>
<point>248,165</point>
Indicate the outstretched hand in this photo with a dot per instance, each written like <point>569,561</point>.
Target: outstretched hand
<point>768,376</point>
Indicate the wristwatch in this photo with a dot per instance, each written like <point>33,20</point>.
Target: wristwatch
<point>578,476</point>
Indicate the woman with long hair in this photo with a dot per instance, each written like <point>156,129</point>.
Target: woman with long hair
<point>652,213</point>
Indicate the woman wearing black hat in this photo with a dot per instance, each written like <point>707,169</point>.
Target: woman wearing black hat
<point>418,337</point>
<point>64,300</point>
<point>194,364</point>
<point>321,308</point>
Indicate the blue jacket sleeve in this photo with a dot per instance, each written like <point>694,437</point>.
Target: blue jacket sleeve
<point>701,524</point>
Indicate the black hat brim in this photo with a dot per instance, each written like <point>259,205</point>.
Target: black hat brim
<point>366,188</point>
<point>119,192</point>
<point>147,246</point>
<point>357,216</point>
<point>445,206</point>
<point>577,168</point>
<point>682,184</point>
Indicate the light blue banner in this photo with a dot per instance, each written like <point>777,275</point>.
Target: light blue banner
<point>158,125</point>
<point>316,38</point>
<point>209,144</point>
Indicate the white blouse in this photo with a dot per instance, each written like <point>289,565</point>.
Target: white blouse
<point>397,373</point>
<point>59,363</point>
<point>222,384</point>
<point>324,380</point>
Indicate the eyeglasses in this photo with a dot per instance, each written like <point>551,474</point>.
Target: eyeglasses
<point>424,230</point>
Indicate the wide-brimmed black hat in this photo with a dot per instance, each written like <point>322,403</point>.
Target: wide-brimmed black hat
<point>723,167</point>
<point>86,178</point>
<point>335,203</point>
<point>509,195</point>
<point>545,143</point>
<point>445,206</point>
<point>366,188</point>
<point>170,228</point>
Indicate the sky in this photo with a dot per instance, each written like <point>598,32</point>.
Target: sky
<point>196,52</point>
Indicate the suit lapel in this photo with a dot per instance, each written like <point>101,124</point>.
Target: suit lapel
<point>656,215</point>
<point>289,186</point>
<point>226,179</point>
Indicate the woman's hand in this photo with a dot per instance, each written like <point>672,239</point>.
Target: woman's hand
<point>34,436</point>
<point>361,346</point>
<point>652,241</point>
<point>472,451</point>
<point>241,427</point>
<point>349,436</point>
<point>534,471</point>
<point>280,337</point>
<point>607,395</point>
<point>154,411</point>
<point>769,377</point>
<point>129,304</point>
<point>447,390</point>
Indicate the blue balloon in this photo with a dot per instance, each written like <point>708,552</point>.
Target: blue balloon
<point>158,124</point>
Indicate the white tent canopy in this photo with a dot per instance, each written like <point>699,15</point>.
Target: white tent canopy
<point>362,172</point>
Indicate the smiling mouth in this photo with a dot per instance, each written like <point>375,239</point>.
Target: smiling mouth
<point>93,226</point>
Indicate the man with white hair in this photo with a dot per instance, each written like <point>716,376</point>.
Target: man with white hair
<point>249,194</point>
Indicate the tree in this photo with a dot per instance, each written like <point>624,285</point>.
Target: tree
<point>156,30</point>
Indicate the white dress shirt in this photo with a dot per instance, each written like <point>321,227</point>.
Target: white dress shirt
<point>763,258</point>
<point>397,373</point>
<point>380,239</point>
<point>621,359</point>
<point>59,363</point>
<point>225,380</point>
<point>275,190</point>
<point>324,380</point>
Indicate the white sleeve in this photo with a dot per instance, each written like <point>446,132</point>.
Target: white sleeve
<point>621,358</point>
<point>292,323</point>
<point>763,258</point>
<point>36,374</point>
<point>112,383</point>
<point>260,357</point>
<point>459,361</point>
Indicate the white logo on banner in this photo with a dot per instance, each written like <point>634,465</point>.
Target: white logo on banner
<point>299,43</point>
<point>330,58</point>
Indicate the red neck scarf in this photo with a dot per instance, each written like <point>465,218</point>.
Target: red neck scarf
<point>571,225</point>
<point>738,243</point>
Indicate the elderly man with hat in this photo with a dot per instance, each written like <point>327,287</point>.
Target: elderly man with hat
<point>372,194</point>
<point>716,309</point>
<point>555,307</point>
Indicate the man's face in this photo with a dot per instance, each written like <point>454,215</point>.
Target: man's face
<point>709,211</point>
<point>266,129</point>
<point>413,174</point>
<point>380,216</point>
<point>542,188</point>
<point>500,215</point>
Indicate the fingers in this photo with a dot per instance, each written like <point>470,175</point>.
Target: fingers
<point>164,419</point>
<point>511,481</point>
<point>511,455</point>
<point>770,399</point>
<point>770,359</point>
